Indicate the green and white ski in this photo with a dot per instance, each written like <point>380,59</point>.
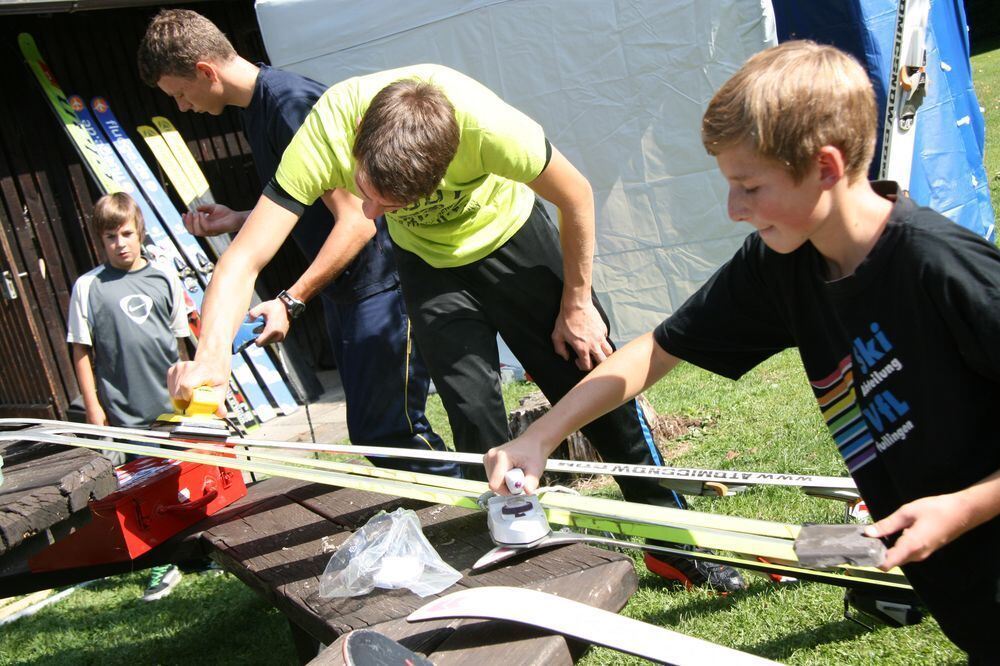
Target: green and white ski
<point>772,541</point>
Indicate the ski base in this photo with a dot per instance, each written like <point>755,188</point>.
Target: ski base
<point>586,623</point>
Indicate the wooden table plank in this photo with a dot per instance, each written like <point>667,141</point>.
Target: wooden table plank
<point>39,492</point>
<point>280,547</point>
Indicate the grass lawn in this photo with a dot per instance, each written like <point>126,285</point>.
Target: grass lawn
<point>766,421</point>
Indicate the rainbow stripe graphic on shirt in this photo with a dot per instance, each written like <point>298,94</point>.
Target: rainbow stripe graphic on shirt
<point>839,404</point>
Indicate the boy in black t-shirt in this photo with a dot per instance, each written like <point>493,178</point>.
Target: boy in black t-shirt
<point>894,309</point>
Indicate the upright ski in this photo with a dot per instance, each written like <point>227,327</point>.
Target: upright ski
<point>236,399</point>
<point>587,623</point>
<point>182,239</point>
<point>189,166</point>
<point>182,169</point>
<point>906,87</point>
<point>164,157</point>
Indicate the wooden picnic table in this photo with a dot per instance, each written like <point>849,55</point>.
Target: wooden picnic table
<point>280,537</point>
<point>43,496</point>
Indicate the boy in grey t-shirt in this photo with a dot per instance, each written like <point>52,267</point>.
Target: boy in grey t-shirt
<point>124,320</point>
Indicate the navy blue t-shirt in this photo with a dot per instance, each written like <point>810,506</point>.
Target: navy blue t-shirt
<point>281,101</point>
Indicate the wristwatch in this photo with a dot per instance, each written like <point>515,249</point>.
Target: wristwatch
<point>293,306</point>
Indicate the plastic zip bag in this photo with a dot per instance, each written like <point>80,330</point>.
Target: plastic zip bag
<point>390,552</point>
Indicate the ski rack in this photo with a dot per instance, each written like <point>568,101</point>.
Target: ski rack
<point>754,538</point>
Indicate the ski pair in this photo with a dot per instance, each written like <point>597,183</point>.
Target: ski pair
<point>772,541</point>
<point>105,165</point>
<point>824,486</point>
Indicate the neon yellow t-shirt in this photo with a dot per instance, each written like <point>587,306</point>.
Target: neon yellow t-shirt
<point>482,200</point>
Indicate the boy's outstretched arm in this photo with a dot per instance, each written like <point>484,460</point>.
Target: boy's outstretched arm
<point>579,329</point>
<point>626,374</point>
<point>228,297</point>
<point>929,523</point>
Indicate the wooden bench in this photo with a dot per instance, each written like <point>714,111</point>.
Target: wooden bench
<point>43,497</point>
<point>280,537</point>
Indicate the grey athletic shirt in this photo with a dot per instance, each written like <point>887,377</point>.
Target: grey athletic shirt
<point>131,321</point>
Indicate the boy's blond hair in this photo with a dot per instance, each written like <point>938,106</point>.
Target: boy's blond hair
<point>791,100</point>
<point>177,40</point>
<point>113,210</point>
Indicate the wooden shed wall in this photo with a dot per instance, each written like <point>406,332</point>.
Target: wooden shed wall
<point>46,196</point>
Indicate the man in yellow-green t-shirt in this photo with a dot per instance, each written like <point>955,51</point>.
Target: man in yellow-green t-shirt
<point>455,171</point>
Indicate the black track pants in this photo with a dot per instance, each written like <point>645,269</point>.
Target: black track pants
<point>515,291</point>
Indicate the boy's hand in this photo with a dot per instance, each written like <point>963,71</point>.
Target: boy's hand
<point>927,524</point>
<point>212,220</point>
<point>520,452</point>
<point>184,377</point>
<point>97,417</point>
<point>580,331</point>
<point>276,321</point>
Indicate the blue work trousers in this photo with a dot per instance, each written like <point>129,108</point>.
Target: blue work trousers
<point>385,380</point>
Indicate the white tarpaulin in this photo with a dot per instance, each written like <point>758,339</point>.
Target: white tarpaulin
<point>619,86</point>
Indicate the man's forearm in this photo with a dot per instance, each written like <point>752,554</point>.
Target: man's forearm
<point>576,234</point>
<point>563,185</point>
<point>349,236</point>
<point>226,299</point>
<point>229,292</point>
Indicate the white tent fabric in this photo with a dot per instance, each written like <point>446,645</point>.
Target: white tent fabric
<point>618,85</point>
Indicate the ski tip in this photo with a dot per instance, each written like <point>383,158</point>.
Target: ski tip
<point>100,105</point>
<point>163,124</point>
<point>364,647</point>
<point>76,102</point>
<point>147,131</point>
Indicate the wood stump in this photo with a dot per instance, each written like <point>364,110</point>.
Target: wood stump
<point>578,447</point>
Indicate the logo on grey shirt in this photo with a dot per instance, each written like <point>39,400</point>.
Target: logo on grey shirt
<point>137,307</point>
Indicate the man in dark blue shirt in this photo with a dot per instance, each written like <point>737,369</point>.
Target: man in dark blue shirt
<point>352,270</point>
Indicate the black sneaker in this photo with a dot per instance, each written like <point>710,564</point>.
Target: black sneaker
<point>162,581</point>
<point>693,572</point>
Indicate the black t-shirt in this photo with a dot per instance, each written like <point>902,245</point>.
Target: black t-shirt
<point>903,357</point>
<point>281,101</point>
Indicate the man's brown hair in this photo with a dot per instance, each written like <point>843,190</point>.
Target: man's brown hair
<point>406,140</point>
<point>175,41</point>
<point>113,210</point>
<point>791,100</point>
